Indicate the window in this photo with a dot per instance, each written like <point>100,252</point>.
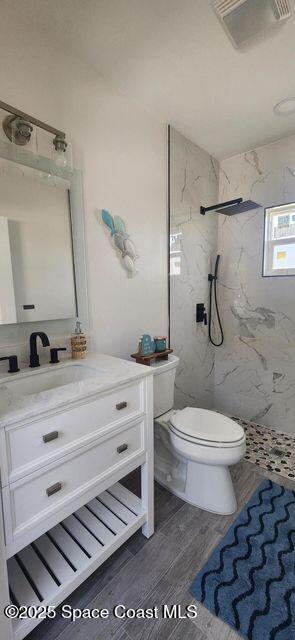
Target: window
<point>175,253</point>
<point>279,241</point>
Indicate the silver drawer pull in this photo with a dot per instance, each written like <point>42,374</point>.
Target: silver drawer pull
<point>122,447</point>
<point>121,405</point>
<point>53,489</point>
<point>50,436</point>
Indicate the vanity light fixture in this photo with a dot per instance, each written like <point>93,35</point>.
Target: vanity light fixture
<point>59,143</point>
<point>18,127</point>
<point>285,107</point>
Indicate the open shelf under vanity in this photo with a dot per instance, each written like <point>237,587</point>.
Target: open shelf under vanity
<point>50,568</point>
<point>64,509</point>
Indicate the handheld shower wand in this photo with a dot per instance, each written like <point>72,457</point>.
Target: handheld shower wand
<point>213,285</point>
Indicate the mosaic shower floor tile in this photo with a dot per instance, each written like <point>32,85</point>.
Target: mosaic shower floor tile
<point>269,449</point>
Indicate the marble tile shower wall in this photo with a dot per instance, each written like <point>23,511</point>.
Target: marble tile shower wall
<point>255,369</point>
<point>194,181</point>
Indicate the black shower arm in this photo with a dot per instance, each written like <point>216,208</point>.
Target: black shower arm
<point>204,210</point>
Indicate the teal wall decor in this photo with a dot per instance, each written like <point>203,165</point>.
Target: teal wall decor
<point>122,241</point>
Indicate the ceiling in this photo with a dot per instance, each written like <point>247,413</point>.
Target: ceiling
<point>173,57</point>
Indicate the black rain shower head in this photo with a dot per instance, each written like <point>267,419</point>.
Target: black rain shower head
<point>232,207</point>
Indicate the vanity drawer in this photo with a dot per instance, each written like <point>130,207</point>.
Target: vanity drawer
<point>37,443</point>
<point>38,496</point>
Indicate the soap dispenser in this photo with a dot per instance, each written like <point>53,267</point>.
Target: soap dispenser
<point>78,343</point>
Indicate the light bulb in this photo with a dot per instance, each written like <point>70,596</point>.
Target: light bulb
<point>62,153</point>
<point>60,158</point>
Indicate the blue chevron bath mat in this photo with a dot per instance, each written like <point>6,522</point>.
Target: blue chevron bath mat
<point>249,580</point>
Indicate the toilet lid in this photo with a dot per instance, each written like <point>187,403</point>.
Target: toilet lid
<point>205,425</point>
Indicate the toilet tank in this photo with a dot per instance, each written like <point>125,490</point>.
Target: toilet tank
<point>164,379</point>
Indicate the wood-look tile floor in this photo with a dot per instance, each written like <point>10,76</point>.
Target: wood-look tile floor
<point>147,573</point>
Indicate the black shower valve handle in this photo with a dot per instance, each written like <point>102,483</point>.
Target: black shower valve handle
<point>201,314</point>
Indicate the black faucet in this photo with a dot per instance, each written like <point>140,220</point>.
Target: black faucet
<point>13,365</point>
<point>54,354</point>
<point>34,358</point>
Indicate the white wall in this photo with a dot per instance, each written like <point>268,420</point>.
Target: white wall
<point>122,152</point>
<point>255,368</point>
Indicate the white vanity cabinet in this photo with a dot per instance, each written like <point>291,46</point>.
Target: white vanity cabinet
<point>64,511</point>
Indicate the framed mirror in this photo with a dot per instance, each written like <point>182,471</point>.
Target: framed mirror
<point>42,248</point>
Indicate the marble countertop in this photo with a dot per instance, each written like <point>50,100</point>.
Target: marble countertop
<point>113,372</point>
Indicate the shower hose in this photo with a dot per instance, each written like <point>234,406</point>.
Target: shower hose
<point>213,285</point>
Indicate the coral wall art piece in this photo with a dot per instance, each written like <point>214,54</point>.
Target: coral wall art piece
<point>122,242</point>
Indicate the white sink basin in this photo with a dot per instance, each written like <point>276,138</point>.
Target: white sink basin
<point>45,380</point>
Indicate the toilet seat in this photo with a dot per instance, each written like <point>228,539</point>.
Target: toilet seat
<point>206,428</point>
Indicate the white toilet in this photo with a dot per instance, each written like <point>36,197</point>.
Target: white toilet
<point>194,447</point>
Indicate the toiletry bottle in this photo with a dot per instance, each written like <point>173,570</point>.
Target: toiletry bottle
<point>78,343</point>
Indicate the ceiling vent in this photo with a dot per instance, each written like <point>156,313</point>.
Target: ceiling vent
<point>245,19</point>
